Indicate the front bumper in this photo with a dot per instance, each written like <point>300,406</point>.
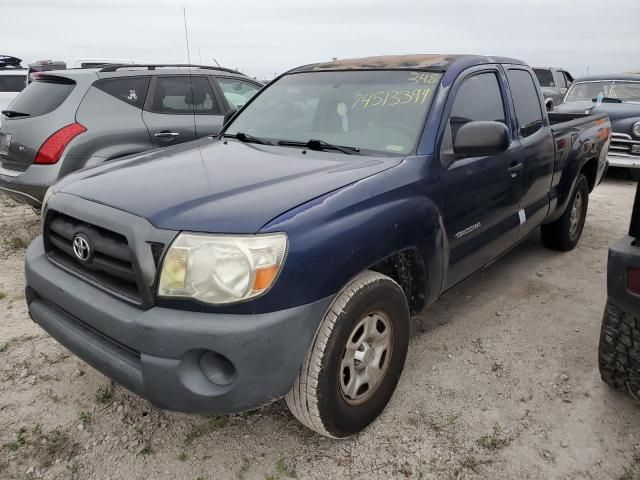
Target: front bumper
<point>625,161</point>
<point>28,186</point>
<point>157,353</point>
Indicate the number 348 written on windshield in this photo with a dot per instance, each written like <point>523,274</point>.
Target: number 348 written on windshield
<point>391,97</point>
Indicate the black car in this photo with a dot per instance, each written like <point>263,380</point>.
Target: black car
<point>618,96</point>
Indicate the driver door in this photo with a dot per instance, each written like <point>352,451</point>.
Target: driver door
<point>481,195</point>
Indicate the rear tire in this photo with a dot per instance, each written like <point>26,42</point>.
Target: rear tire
<point>564,233</point>
<point>619,350</point>
<point>355,360</point>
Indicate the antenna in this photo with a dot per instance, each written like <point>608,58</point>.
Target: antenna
<point>214,59</point>
<point>186,36</point>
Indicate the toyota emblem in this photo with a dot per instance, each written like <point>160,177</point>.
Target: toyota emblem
<point>81,247</point>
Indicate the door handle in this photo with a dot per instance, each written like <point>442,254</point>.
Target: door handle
<point>515,168</point>
<point>167,135</point>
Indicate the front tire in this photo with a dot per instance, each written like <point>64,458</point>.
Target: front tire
<point>564,233</point>
<point>355,361</point>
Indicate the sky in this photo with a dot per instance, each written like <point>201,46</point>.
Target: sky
<point>264,38</point>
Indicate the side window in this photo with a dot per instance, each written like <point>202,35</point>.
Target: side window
<point>562,82</point>
<point>478,98</point>
<point>184,95</point>
<point>131,90</point>
<point>568,76</point>
<point>526,102</point>
<point>237,92</point>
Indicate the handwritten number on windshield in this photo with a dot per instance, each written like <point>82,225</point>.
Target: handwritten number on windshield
<point>391,98</point>
<point>425,78</point>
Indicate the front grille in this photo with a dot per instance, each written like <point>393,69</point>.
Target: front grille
<point>622,144</point>
<point>112,264</point>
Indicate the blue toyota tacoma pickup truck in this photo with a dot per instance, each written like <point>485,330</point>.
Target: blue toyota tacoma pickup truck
<point>285,256</point>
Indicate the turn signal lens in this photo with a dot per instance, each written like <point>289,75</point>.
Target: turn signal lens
<point>51,150</point>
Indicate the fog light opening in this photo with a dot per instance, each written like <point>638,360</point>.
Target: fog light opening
<point>217,369</point>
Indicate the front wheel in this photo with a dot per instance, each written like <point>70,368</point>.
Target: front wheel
<point>564,233</point>
<point>355,361</point>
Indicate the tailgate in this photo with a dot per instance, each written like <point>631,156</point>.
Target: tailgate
<point>33,116</point>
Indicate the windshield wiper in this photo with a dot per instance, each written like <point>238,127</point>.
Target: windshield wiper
<point>13,113</point>
<point>245,137</point>
<point>315,144</point>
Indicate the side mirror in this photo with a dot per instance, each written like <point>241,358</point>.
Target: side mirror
<point>229,115</point>
<point>480,139</point>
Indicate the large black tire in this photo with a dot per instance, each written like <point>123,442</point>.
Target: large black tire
<point>318,397</point>
<point>564,233</point>
<point>619,350</point>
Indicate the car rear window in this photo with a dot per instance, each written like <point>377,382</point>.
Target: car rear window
<point>12,83</point>
<point>131,90</point>
<point>43,95</point>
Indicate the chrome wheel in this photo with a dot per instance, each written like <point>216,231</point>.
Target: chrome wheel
<point>576,214</point>
<point>366,358</point>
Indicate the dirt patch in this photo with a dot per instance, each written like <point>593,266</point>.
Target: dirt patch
<point>501,382</point>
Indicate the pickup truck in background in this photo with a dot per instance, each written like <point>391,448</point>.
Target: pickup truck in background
<point>554,83</point>
<point>285,256</point>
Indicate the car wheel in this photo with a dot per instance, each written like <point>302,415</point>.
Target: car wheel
<point>564,233</point>
<point>355,360</point>
<point>619,350</point>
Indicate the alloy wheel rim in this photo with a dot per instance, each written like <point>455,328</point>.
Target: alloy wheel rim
<point>366,358</point>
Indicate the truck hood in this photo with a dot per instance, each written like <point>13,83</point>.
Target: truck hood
<point>219,186</point>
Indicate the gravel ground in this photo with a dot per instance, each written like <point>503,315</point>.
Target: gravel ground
<point>501,381</point>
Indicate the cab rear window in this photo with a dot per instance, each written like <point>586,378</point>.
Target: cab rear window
<point>43,96</point>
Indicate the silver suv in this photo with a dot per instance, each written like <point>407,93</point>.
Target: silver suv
<point>71,119</point>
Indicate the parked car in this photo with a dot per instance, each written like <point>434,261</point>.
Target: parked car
<point>619,97</point>
<point>72,119</point>
<point>285,257</point>
<point>554,83</point>
<point>13,79</point>
<point>619,350</point>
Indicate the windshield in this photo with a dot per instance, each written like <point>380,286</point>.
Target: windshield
<point>379,112</point>
<point>588,91</point>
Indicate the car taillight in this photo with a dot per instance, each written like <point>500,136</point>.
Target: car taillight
<point>52,148</point>
<point>633,280</point>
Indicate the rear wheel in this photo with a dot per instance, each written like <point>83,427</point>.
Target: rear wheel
<point>564,233</point>
<point>356,358</point>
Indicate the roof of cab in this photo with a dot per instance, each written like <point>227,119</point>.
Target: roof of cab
<point>432,62</point>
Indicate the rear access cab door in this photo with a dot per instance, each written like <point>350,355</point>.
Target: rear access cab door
<point>181,108</point>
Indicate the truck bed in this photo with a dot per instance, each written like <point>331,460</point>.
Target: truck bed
<point>562,121</point>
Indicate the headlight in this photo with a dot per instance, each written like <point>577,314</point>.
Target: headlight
<point>221,269</point>
<point>636,129</point>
